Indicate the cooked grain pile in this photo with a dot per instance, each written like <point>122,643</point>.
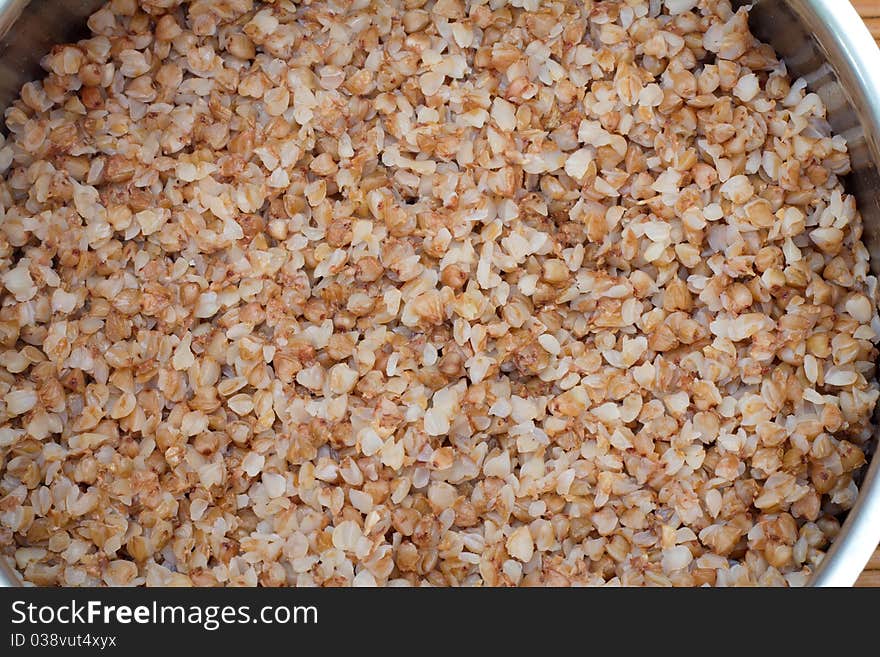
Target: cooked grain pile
<point>370,293</point>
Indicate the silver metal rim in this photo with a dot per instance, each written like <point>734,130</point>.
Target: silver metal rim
<point>846,40</point>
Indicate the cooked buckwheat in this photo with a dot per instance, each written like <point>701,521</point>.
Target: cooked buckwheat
<point>444,292</point>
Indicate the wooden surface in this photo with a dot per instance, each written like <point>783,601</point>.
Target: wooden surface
<point>870,11</point>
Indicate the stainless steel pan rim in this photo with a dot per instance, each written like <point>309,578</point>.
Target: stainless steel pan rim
<point>823,40</point>
<point>841,38</point>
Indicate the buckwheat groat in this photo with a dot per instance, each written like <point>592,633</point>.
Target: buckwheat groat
<point>450,293</point>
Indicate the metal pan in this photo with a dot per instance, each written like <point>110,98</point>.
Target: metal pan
<point>824,41</point>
